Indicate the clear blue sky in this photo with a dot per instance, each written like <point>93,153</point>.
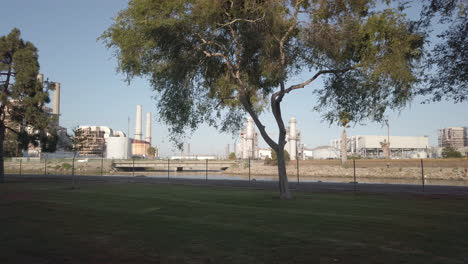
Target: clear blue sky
<point>65,33</point>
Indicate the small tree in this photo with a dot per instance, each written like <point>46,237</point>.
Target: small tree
<point>22,96</point>
<point>274,157</point>
<point>232,156</point>
<point>77,142</point>
<point>151,152</point>
<point>451,152</point>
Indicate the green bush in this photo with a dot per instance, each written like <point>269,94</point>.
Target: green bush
<point>274,159</point>
<point>450,152</point>
<point>66,166</point>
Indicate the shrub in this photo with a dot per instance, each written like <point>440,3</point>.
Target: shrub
<point>66,166</point>
<point>274,158</point>
<point>450,152</point>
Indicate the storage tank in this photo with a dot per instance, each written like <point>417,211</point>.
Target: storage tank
<point>118,148</point>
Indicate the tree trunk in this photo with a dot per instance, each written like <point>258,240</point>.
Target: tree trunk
<point>2,139</point>
<point>344,147</point>
<point>285,193</point>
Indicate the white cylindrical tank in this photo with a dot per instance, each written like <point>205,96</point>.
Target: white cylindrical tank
<point>292,138</point>
<point>56,106</point>
<point>148,127</point>
<point>138,129</point>
<point>118,148</point>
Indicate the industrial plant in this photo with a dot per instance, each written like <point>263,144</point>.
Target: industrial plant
<point>102,141</point>
<point>248,142</point>
<point>371,146</point>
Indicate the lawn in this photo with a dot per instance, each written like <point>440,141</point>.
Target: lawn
<point>47,222</point>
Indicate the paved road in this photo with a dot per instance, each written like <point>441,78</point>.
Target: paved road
<point>459,191</point>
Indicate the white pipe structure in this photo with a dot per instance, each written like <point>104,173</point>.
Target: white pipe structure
<point>148,128</point>
<point>40,78</point>
<point>292,138</point>
<point>138,130</point>
<point>250,138</point>
<point>56,107</point>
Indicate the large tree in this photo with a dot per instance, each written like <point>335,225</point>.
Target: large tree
<point>22,96</point>
<point>215,60</point>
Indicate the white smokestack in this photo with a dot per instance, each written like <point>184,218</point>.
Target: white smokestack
<point>250,128</point>
<point>40,77</point>
<point>148,127</point>
<point>56,106</point>
<point>292,138</point>
<point>138,132</point>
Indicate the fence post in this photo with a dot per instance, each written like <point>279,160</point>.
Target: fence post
<point>354,174</point>
<point>249,169</point>
<point>102,164</point>
<point>133,167</point>
<point>422,174</point>
<point>168,163</point>
<point>206,171</point>
<point>45,166</point>
<point>297,168</point>
<point>73,171</point>
<point>21,161</point>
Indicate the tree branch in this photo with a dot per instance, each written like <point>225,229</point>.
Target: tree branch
<point>302,85</point>
<point>248,107</point>
<point>286,34</point>
<point>241,20</point>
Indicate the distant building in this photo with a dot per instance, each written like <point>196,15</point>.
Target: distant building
<point>324,152</point>
<point>371,146</point>
<point>264,153</point>
<point>93,139</point>
<point>456,137</point>
<point>140,148</point>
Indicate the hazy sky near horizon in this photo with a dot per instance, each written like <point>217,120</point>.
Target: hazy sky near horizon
<point>66,32</point>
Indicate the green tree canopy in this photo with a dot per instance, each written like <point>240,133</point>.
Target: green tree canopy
<point>450,152</point>
<point>447,62</point>
<point>22,96</point>
<point>151,151</point>
<point>232,156</point>
<point>215,60</point>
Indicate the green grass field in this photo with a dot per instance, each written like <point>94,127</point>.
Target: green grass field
<point>47,222</point>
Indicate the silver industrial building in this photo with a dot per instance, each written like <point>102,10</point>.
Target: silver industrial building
<point>400,146</point>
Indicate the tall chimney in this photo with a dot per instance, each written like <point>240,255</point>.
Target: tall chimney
<point>138,132</point>
<point>148,127</point>
<point>292,138</point>
<point>56,106</point>
<point>40,78</point>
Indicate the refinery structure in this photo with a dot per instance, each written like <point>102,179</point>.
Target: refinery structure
<point>102,141</point>
<point>247,147</point>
